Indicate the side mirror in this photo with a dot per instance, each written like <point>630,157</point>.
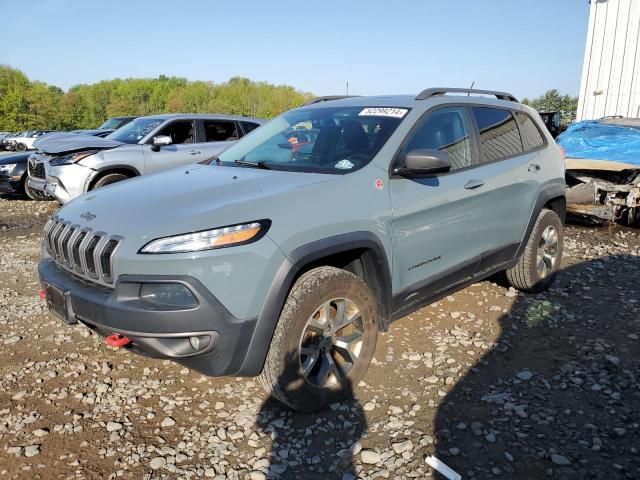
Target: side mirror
<point>160,141</point>
<point>424,162</point>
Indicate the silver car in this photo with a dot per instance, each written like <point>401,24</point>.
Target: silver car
<point>68,165</point>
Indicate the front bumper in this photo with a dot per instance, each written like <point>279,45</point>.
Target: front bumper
<point>153,330</point>
<point>8,184</point>
<point>36,184</point>
<point>66,182</point>
<point>62,182</point>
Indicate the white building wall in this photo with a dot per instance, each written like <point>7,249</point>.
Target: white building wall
<point>611,71</point>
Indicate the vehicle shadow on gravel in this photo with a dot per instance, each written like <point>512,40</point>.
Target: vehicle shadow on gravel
<point>559,394</point>
<point>311,446</point>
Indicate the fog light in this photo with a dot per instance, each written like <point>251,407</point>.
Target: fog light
<point>168,295</point>
<point>195,343</point>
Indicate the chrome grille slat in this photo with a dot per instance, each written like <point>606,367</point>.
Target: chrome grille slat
<point>96,254</point>
<point>59,239</point>
<point>81,250</point>
<point>89,256</point>
<point>75,229</point>
<point>47,231</point>
<point>64,242</point>
<point>75,250</point>
<point>54,239</point>
<point>106,258</point>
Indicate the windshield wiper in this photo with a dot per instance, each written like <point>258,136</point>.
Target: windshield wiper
<point>261,164</point>
<point>211,160</point>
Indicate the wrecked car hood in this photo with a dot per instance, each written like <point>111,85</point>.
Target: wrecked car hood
<point>589,164</point>
<point>58,143</point>
<point>95,132</point>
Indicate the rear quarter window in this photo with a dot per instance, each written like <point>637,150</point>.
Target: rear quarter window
<point>499,134</point>
<point>249,126</point>
<point>531,136</point>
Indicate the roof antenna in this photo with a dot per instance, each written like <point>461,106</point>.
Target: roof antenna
<point>471,88</point>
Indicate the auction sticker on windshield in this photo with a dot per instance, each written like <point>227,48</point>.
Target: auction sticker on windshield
<point>383,112</point>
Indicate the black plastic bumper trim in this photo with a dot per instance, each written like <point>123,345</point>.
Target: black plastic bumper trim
<point>120,310</point>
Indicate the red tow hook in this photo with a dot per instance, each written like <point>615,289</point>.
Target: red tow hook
<point>41,294</point>
<point>116,340</point>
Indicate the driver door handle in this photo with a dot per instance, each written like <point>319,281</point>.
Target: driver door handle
<point>473,183</point>
<point>194,152</point>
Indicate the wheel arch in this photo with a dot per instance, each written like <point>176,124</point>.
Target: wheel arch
<point>361,253</point>
<point>123,169</point>
<point>551,196</point>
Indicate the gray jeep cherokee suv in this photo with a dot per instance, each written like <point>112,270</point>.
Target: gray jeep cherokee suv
<point>287,255</point>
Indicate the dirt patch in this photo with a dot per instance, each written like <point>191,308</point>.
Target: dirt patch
<point>496,383</point>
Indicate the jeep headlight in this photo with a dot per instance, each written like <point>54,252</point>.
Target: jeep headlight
<point>209,239</point>
<point>7,168</point>
<point>71,158</point>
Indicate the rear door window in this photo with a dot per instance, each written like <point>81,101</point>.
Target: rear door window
<point>531,136</point>
<point>444,129</point>
<point>499,134</point>
<point>220,130</point>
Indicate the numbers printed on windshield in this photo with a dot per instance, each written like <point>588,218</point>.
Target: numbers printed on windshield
<point>383,112</point>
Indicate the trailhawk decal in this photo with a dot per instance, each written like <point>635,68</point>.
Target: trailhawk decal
<point>383,112</point>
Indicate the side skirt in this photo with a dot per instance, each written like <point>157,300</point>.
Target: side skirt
<point>452,280</point>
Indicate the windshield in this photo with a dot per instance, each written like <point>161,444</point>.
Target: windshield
<point>135,131</point>
<point>110,124</point>
<point>334,140</point>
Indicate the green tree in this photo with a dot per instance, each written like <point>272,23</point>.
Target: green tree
<point>25,104</point>
<point>553,101</point>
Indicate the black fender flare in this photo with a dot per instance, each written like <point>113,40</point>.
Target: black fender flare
<point>288,272</point>
<point>549,191</point>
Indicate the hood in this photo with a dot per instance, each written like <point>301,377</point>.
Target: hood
<point>95,132</point>
<point>59,143</point>
<point>190,198</point>
<point>14,158</point>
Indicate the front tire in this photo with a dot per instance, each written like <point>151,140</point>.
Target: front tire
<point>21,147</point>
<point>537,267</point>
<point>109,179</point>
<point>324,340</point>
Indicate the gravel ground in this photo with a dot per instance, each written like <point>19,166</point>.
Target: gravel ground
<point>495,383</point>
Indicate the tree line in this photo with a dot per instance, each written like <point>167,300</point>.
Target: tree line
<point>32,105</point>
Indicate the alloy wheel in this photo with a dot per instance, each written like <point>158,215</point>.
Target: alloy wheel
<point>331,342</point>
<point>547,252</point>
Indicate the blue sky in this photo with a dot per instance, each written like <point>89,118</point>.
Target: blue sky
<point>522,46</point>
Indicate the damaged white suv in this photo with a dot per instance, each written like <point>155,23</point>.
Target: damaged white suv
<point>68,165</point>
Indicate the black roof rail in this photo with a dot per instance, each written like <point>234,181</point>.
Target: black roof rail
<point>432,92</point>
<point>327,98</point>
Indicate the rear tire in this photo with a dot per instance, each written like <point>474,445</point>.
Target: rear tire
<point>537,267</point>
<point>324,340</point>
<point>109,179</point>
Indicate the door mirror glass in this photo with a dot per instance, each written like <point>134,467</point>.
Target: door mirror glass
<point>424,162</point>
<point>161,141</point>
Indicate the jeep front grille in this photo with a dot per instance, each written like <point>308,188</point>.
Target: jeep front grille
<point>81,250</point>
<point>36,169</point>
